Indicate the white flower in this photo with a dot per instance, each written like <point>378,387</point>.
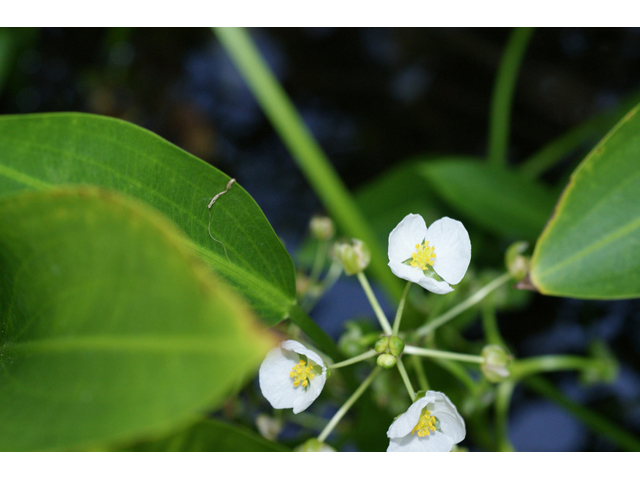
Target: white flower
<point>292,376</point>
<point>431,424</point>
<point>444,246</point>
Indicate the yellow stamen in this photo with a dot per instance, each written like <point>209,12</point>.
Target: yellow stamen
<point>423,256</point>
<point>425,425</point>
<point>301,374</point>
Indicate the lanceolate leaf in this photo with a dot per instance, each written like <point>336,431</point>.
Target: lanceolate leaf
<point>110,328</point>
<point>47,150</point>
<point>589,248</point>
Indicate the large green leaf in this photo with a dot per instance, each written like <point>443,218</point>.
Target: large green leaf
<point>110,327</point>
<point>590,247</point>
<point>42,151</point>
<point>499,200</point>
<point>211,435</point>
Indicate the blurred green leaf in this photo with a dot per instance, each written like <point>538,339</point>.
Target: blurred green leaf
<point>46,150</point>
<point>211,435</point>
<point>589,248</point>
<point>496,199</point>
<point>390,197</point>
<point>111,328</point>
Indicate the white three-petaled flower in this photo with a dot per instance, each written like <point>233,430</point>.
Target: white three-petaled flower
<point>431,424</point>
<point>433,257</point>
<point>292,376</point>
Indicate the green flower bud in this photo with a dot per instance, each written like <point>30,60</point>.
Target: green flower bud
<point>386,360</point>
<point>354,256</point>
<point>314,445</point>
<point>381,344</point>
<point>396,346</point>
<point>516,263</point>
<point>321,227</point>
<point>604,367</point>
<point>496,363</point>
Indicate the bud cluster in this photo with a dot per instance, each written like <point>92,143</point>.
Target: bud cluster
<point>389,349</point>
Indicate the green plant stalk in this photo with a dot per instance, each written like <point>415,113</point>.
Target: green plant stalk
<point>304,149</point>
<point>461,307</point>
<point>405,379</point>
<point>549,363</point>
<point>500,119</point>
<point>420,373</point>
<point>596,422</point>
<point>356,359</point>
<point>382,318</point>
<point>347,405</point>
<point>490,326</point>
<point>460,373</point>
<point>427,352</point>
<point>396,321</point>
<point>555,151</point>
<point>503,400</point>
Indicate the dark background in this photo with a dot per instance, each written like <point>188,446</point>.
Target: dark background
<point>372,97</point>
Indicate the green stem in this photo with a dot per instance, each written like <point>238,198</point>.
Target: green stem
<point>490,326</point>
<point>351,361</point>
<point>396,321</point>
<point>405,379</point>
<point>460,373</point>
<point>427,352</point>
<point>304,149</point>
<point>422,376</point>
<point>321,257</point>
<point>500,119</point>
<point>382,318</point>
<point>548,363</point>
<point>598,423</point>
<point>347,405</point>
<point>503,400</point>
<point>461,307</point>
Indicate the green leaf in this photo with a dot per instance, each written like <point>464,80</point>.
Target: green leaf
<point>590,246</point>
<point>211,435</point>
<point>46,150</point>
<point>110,327</point>
<point>498,200</point>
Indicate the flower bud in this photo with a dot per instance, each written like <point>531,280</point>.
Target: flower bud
<point>314,445</point>
<point>496,363</point>
<point>516,263</point>
<point>386,360</point>
<point>322,227</point>
<point>381,344</point>
<point>396,346</point>
<point>354,256</point>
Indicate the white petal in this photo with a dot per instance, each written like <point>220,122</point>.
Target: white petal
<point>436,442</point>
<point>275,382</point>
<point>451,423</point>
<point>403,425</point>
<point>452,247</point>
<point>403,239</point>
<point>434,285</point>
<point>407,272</point>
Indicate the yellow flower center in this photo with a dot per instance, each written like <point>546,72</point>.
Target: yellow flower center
<point>301,374</point>
<point>425,425</point>
<point>423,256</point>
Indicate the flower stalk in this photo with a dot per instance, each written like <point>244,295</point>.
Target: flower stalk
<point>427,352</point>
<point>461,307</point>
<point>405,379</point>
<point>347,405</point>
<point>396,321</point>
<point>351,361</point>
<point>382,318</point>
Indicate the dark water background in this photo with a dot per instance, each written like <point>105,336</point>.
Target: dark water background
<point>372,97</point>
